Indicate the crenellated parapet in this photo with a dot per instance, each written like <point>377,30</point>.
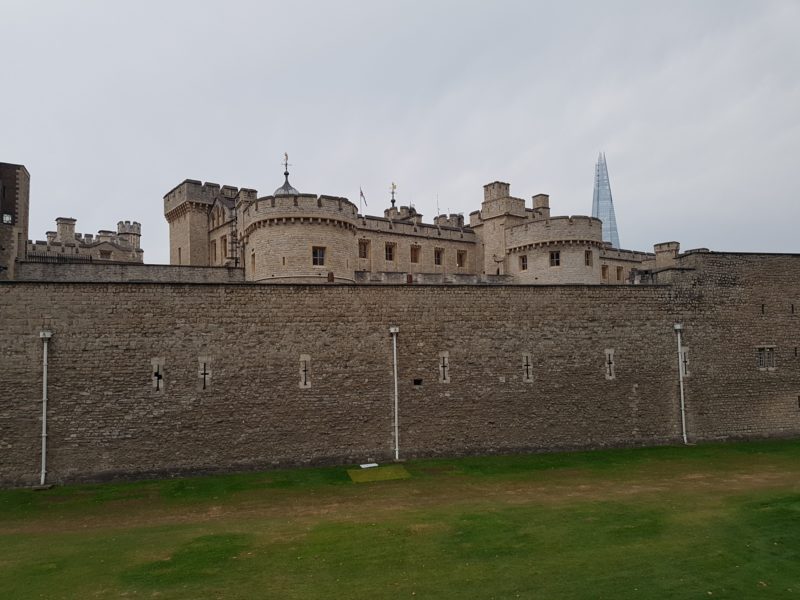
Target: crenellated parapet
<point>65,244</point>
<point>307,209</point>
<point>555,230</point>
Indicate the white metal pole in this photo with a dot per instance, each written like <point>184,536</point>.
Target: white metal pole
<point>678,329</point>
<point>394,331</point>
<point>45,335</point>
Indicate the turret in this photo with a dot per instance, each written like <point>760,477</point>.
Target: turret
<point>666,253</point>
<point>65,230</point>
<point>541,205</point>
<point>130,233</point>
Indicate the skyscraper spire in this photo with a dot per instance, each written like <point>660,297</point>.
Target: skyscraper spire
<point>602,203</point>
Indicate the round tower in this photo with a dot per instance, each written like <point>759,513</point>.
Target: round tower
<point>291,237</point>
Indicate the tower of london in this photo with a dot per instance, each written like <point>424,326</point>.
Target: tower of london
<point>294,237</point>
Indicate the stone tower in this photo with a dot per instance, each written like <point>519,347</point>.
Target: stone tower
<point>186,209</point>
<point>14,201</point>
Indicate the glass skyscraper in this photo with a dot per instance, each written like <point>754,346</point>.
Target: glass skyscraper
<point>602,203</point>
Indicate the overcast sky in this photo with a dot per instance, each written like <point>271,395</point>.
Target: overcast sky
<point>696,105</point>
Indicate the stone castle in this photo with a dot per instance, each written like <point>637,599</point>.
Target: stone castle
<point>494,337</point>
<point>291,237</point>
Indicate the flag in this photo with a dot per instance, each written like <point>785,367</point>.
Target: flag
<point>361,193</point>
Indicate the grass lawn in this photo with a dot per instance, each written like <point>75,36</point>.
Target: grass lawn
<point>712,521</point>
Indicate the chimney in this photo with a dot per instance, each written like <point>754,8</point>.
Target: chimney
<point>65,230</point>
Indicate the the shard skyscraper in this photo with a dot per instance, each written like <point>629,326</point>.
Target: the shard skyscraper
<point>602,204</point>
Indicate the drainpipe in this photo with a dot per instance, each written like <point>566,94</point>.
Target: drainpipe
<point>45,335</point>
<point>678,329</point>
<point>394,331</point>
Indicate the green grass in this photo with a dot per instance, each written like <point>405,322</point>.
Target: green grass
<point>714,521</point>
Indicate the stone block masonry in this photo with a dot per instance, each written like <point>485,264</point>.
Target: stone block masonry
<point>526,369</point>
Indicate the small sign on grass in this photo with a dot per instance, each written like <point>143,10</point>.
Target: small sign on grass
<point>378,473</point>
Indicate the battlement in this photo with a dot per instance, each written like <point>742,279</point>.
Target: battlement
<point>452,220</point>
<point>556,229</point>
<point>65,241</point>
<point>196,192</point>
<point>425,230</point>
<point>404,213</point>
<point>496,190</point>
<point>300,207</point>
<point>129,227</point>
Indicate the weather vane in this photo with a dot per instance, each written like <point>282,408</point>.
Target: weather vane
<point>394,187</point>
<point>285,161</point>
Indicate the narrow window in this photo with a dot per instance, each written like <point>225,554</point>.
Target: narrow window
<point>318,256</point>
<point>390,251</point>
<point>438,256</point>
<point>766,358</point>
<point>414,254</point>
<point>610,372</point>
<point>157,375</point>
<point>792,308</point>
<point>223,242</point>
<point>363,248</point>
<point>604,271</point>
<point>444,367</point>
<point>527,368</point>
<point>305,371</point>
<point>214,252</point>
<point>204,372</point>
<point>461,258</point>
<point>587,257</point>
<point>619,273</point>
<point>763,309</point>
<point>685,361</point>
<point>555,258</point>
<point>179,256</point>
<point>253,263</point>
<point>523,262</point>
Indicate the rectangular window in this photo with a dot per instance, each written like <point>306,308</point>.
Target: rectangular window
<point>223,246</point>
<point>363,248</point>
<point>438,256</point>
<point>587,257</point>
<point>105,254</point>
<point>253,264</point>
<point>766,357</point>
<point>214,252</point>
<point>390,251</point>
<point>414,254</point>
<point>523,262</point>
<point>604,270</point>
<point>179,256</point>
<point>619,273</point>
<point>318,256</point>
<point>555,259</point>
<point>461,258</point>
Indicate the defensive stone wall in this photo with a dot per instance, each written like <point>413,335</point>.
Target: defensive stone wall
<point>151,379</point>
<point>125,272</point>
